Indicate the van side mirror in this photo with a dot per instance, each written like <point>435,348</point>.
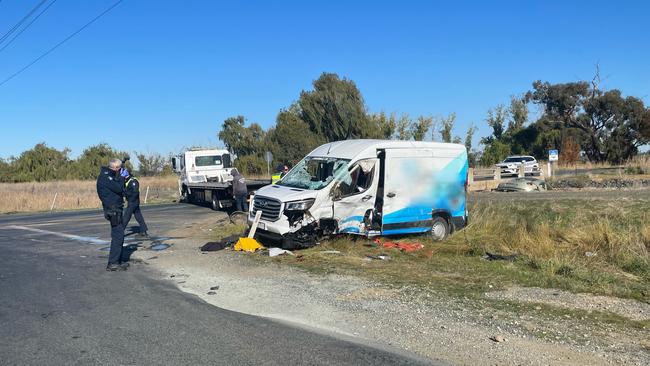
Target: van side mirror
<point>174,164</point>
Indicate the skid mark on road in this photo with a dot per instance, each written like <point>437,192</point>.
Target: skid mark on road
<point>84,239</point>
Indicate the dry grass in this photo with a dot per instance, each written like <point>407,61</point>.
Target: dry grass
<point>584,246</point>
<point>30,197</point>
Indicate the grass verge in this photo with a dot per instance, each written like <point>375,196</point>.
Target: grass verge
<point>599,247</point>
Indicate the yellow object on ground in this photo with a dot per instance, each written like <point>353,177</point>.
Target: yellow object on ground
<point>248,245</point>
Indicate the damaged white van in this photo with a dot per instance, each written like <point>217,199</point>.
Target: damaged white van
<point>366,187</point>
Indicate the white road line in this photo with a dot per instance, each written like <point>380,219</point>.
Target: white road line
<point>85,239</point>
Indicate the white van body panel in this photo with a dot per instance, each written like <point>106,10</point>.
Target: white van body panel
<point>419,179</point>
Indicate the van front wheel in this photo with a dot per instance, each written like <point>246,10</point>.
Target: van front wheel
<point>439,228</point>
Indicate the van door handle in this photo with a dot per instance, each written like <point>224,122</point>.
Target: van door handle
<point>366,198</point>
<point>390,194</point>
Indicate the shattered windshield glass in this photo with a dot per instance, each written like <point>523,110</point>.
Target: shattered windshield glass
<point>314,173</point>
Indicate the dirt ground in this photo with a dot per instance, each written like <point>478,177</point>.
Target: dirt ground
<point>514,327</point>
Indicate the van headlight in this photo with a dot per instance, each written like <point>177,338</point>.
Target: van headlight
<point>302,205</point>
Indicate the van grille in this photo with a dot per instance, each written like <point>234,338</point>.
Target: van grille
<point>270,208</point>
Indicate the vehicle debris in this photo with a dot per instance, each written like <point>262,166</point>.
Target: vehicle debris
<point>405,247</point>
<point>499,257</point>
<point>224,243</point>
<point>247,245</point>
<point>274,252</point>
<point>382,257</point>
<point>522,185</point>
<point>498,339</point>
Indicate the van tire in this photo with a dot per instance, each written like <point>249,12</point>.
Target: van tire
<point>215,203</point>
<point>439,228</point>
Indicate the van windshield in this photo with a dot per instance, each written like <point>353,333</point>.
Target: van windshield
<point>314,173</point>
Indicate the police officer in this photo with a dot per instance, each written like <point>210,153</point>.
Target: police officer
<point>110,189</point>
<point>132,193</point>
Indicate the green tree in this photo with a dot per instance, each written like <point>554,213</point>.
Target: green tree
<point>420,127</point>
<point>335,109</point>
<point>494,152</point>
<point>386,125</point>
<point>151,164</point>
<point>403,129</point>
<point>41,163</point>
<point>469,136</point>
<point>291,138</point>
<point>447,126</point>
<point>242,140</point>
<point>611,127</point>
<point>87,165</point>
<point>518,111</point>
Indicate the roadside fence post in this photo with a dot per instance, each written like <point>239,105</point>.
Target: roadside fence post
<point>146,195</point>
<point>522,170</point>
<point>54,201</point>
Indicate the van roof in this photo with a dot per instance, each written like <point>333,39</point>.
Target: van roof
<point>349,149</point>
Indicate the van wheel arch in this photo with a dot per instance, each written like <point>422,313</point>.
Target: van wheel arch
<point>441,226</point>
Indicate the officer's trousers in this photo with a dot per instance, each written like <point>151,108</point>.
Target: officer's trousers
<point>134,210</point>
<point>117,239</point>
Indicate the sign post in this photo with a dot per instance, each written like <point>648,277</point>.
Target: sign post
<point>269,158</point>
<point>553,156</point>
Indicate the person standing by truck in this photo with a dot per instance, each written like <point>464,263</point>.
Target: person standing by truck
<point>240,190</point>
<point>110,189</point>
<point>132,193</point>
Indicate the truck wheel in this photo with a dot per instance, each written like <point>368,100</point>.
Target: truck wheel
<point>439,228</point>
<point>215,203</point>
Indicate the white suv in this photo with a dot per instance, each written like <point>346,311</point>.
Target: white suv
<point>510,165</point>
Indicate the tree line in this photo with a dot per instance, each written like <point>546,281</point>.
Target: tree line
<point>579,118</point>
<point>44,163</point>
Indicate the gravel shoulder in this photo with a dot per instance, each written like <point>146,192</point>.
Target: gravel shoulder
<point>455,330</point>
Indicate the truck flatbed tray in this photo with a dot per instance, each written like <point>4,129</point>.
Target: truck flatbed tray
<point>251,183</point>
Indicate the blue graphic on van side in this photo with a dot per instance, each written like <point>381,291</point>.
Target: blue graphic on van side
<point>447,193</point>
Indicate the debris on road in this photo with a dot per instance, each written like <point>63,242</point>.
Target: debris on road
<point>212,293</point>
<point>331,251</point>
<point>274,252</point>
<point>213,288</point>
<point>498,339</point>
<point>213,246</point>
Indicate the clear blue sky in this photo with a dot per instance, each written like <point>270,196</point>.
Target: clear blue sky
<point>161,75</point>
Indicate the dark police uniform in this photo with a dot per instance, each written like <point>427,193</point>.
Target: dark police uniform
<point>132,192</point>
<point>110,189</point>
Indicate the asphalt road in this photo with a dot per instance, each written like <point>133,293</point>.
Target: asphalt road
<point>58,306</point>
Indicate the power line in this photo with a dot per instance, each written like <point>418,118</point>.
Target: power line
<point>27,26</point>
<point>61,43</point>
<point>20,22</point>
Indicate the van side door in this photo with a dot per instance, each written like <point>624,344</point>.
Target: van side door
<point>354,197</point>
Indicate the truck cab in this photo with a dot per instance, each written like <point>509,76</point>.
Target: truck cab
<point>366,187</point>
<point>203,165</point>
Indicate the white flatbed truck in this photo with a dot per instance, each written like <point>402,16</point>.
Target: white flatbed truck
<point>205,177</point>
